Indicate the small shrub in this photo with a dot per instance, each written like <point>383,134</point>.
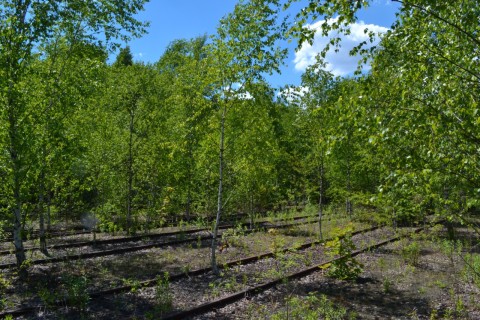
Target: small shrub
<point>234,236</point>
<point>75,289</point>
<point>346,267</point>
<point>284,260</point>
<point>387,284</point>
<point>132,283</point>
<point>164,298</point>
<point>471,270</point>
<point>4,285</point>
<point>411,253</point>
<point>311,307</point>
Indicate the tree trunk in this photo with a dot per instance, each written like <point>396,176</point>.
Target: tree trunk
<point>348,203</point>
<point>17,207</point>
<point>49,213</point>
<point>43,237</point>
<point>252,222</point>
<point>130,174</point>
<point>17,229</point>
<point>220,192</point>
<point>41,212</point>
<point>320,201</point>
<point>190,163</point>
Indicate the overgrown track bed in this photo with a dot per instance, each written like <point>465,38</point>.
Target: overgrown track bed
<point>81,230</point>
<point>367,241</point>
<point>72,240</point>
<point>124,245</point>
<point>251,267</point>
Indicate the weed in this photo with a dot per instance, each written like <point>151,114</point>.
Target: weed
<point>411,253</point>
<point>413,315</point>
<point>215,288</point>
<point>283,261</point>
<point>311,307</point>
<point>436,230</point>
<point>48,297</point>
<point>345,267</point>
<point>471,270</point>
<point>451,249</point>
<point>4,284</point>
<point>440,284</point>
<point>186,269</point>
<point>163,296</point>
<point>382,264</point>
<point>199,242</point>
<point>308,258</point>
<point>75,290</point>
<point>132,283</point>
<point>234,236</point>
<point>387,284</point>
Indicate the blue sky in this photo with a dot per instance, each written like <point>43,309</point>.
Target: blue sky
<point>186,19</point>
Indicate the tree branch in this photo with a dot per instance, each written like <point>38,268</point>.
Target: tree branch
<point>433,14</point>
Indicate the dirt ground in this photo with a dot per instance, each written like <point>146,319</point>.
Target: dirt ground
<point>426,277</point>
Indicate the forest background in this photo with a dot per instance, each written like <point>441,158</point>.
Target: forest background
<point>200,134</point>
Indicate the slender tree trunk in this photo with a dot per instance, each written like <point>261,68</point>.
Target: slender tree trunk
<point>450,226</point>
<point>41,211</point>
<point>320,201</point>
<point>130,173</point>
<point>17,230</point>
<point>252,222</point>
<point>17,207</point>
<point>348,204</point>
<point>189,178</point>
<point>49,212</point>
<point>394,219</point>
<point>220,191</point>
<point>187,206</point>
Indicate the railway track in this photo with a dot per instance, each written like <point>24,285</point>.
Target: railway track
<point>117,251</point>
<point>80,230</point>
<point>199,272</point>
<point>224,301</point>
<point>65,233</point>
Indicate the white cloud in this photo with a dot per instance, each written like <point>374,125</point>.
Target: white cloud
<point>237,90</point>
<point>339,63</point>
<point>293,94</point>
<point>244,96</point>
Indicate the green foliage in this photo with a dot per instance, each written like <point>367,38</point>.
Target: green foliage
<point>471,269</point>
<point>124,58</point>
<point>4,285</point>
<point>133,284</point>
<point>312,307</point>
<point>75,292</point>
<point>163,295</point>
<point>341,246</point>
<point>411,253</point>
<point>235,236</point>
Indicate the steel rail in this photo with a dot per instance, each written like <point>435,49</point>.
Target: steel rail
<point>197,272</point>
<point>103,253</point>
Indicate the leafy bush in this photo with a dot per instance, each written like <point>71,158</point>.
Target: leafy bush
<point>345,267</point>
<point>234,236</point>
<point>312,307</point>
<point>411,253</point>
<point>471,270</point>
<point>75,290</point>
<point>163,295</point>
